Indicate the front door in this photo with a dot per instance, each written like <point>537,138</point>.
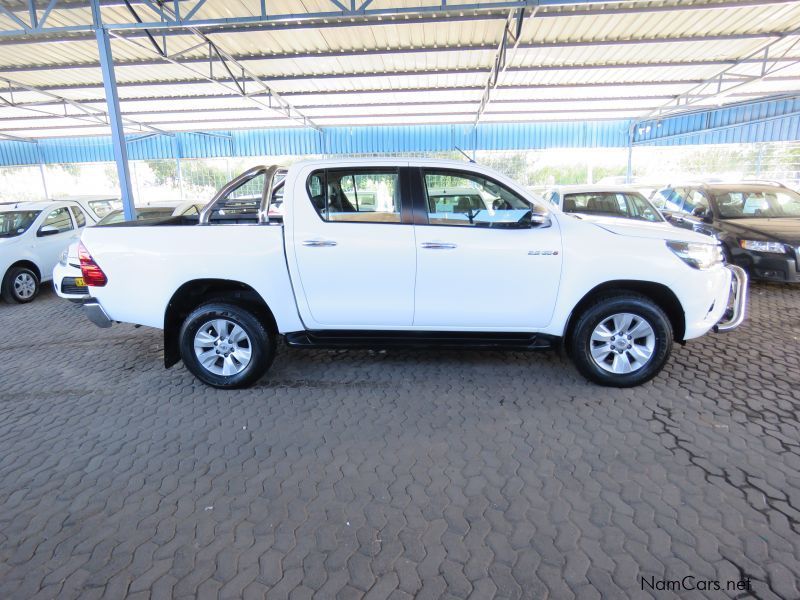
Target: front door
<point>484,260</point>
<point>354,247</point>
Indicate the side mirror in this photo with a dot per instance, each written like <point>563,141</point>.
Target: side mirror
<point>540,220</point>
<point>47,230</point>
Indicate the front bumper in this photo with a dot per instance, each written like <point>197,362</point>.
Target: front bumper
<point>768,267</point>
<point>737,299</point>
<point>95,313</point>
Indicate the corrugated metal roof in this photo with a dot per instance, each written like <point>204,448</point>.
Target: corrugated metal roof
<point>592,62</point>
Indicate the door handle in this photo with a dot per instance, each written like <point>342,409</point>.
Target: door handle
<point>438,245</point>
<point>319,243</point>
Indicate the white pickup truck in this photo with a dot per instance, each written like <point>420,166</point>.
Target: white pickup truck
<point>398,252</point>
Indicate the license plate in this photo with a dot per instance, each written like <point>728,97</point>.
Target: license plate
<point>79,282</point>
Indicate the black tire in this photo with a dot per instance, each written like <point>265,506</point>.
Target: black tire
<point>600,310</point>
<point>261,343</point>
<point>11,292</point>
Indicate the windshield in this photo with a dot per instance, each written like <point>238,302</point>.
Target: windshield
<point>758,204</point>
<point>16,222</point>
<point>142,214</point>
<point>626,205</point>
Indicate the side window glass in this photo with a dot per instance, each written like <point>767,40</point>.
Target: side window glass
<point>59,218</point>
<point>669,199</point>
<point>80,219</point>
<point>659,201</point>
<point>470,200</point>
<point>356,196</point>
<point>599,203</point>
<point>694,200</point>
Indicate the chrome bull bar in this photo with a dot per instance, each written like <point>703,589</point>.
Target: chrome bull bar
<point>739,292</point>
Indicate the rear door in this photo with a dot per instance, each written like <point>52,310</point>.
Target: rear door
<point>353,247</point>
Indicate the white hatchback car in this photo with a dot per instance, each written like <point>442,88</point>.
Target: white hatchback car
<point>67,277</point>
<point>32,237</point>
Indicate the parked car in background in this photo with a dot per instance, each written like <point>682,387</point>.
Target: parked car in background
<point>155,211</point>
<point>68,281</point>
<point>646,186</point>
<point>96,207</point>
<point>603,200</point>
<point>32,237</point>
<point>406,270</point>
<point>758,224</point>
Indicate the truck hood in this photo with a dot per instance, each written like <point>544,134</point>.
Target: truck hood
<point>644,229</point>
<point>785,229</point>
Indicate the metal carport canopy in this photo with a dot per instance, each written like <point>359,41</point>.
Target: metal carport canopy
<point>220,65</point>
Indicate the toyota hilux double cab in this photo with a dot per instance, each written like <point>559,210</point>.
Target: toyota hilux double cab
<point>405,252</point>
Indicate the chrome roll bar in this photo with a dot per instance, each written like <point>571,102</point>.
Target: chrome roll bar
<point>739,291</point>
<point>252,173</point>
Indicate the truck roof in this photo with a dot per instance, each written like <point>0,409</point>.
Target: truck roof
<point>597,188</point>
<point>389,160</point>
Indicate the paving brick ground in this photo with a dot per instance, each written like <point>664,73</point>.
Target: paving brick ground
<point>421,474</point>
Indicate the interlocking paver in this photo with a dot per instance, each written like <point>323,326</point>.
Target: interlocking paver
<point>398,474</point>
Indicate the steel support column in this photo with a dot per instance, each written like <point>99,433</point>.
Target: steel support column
<point>629,172</point>
<point>178,150</point>
<point>114,114</point>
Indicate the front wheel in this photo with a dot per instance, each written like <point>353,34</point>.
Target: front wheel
<point>621,340</point>
<point>20,285</point>
<point>225,345</point>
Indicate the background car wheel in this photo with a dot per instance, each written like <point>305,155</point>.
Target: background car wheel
<point>20,285</point>
<point>621,340</point>
<point>225,345</point>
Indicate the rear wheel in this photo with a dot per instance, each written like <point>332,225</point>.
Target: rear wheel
<point>225,345</point>
<point>20,285</point>
<point>621,340</point>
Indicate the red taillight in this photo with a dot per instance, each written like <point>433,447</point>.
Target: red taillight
<point>92,273</point>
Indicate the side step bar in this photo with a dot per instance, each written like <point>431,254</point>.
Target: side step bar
<point>335,339</point>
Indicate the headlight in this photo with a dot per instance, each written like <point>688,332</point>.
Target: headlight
<point>64,256</point>
<point>696,255</point>
<point>759,246</point>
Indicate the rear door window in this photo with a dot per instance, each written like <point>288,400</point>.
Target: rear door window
<point>80,218</point>
<point>356,195</point>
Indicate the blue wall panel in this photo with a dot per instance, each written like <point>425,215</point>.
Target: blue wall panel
<point>776,120</point>
<point>18,153</point>
<point>765,121</point>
